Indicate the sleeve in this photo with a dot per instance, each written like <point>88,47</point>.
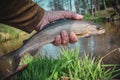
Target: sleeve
<point>22,14</point>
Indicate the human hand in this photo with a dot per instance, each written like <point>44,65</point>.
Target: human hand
<point>64,37</point>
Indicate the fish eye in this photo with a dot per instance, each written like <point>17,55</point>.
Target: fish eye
<point>98,28</point>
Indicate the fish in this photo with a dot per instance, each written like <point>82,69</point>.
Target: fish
<point>47,35</point>
<point>18,70</point>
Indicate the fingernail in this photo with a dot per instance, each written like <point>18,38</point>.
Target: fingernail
<point>57,40</point>
<point>65,42</point>
<point>73,37</point>
<point>78,16</point>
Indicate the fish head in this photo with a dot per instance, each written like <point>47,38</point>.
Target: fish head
<point>94,29</point>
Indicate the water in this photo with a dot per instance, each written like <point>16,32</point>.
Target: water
<point>96,45</point>
<point>102,44</point>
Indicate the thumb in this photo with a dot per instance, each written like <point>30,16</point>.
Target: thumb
<point>69,14</point>
<point>51,16</point>
<point>54,15</point>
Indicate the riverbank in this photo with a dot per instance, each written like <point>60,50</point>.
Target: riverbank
<point>102,16</point>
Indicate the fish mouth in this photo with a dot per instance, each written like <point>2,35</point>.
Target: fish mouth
<point>83,35</point>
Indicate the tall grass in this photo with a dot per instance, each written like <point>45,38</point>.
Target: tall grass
<point>69,65</point>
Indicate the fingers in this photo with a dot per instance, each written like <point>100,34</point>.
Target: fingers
<point>57,40</point>
<point>64,38</point>
<point>63,14</point>
<point>72,37</point>
<point>72,15</point>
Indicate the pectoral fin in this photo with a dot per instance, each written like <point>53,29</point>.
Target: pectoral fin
<point>33,52</point>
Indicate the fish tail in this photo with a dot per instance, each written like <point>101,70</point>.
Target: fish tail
<point>14,56</point>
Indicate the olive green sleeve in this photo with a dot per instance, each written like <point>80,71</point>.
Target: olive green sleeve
<point>22,14</point>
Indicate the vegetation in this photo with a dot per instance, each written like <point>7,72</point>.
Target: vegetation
<point>81,6</point>
<point>8,33</point>
<point>68,66</point>
<point>96,19</point>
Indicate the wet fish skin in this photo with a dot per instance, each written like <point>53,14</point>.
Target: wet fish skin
<point>48,33</point>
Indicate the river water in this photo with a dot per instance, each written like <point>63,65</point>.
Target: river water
<point>96,45</point>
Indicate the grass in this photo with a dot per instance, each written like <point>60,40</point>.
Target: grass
<point>68,65</point>
<point>101,16</point>
<point>8,33</point>
<point>97,18</point>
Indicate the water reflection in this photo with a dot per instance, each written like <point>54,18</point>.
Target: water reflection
<point>52,51</point>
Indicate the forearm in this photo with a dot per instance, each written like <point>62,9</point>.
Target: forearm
<point>22,14</point>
